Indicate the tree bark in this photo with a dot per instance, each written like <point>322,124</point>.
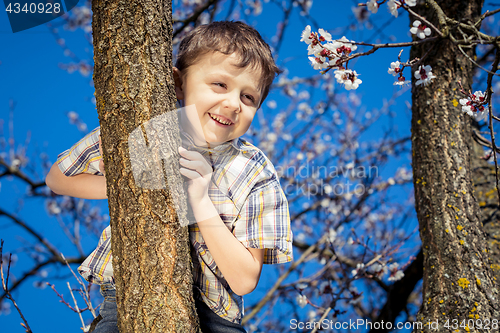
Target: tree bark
<point>458,279</point>
<point>133,82</point>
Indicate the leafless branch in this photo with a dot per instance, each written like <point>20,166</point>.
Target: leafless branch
<point>5,287</point>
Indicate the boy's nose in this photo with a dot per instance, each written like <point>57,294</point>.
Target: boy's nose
<point>232,102</point>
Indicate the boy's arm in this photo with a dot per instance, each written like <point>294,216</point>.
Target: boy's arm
<point>76,172</point>
<point>240,266</point>
<point>86,186</point>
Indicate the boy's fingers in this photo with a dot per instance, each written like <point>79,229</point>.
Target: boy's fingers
<point>190,154</point>
<point>191,174</point>
<point>195,161</point>
<point>202,167</point>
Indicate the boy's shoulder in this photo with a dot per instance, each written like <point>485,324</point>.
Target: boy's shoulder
<point>255,163</point>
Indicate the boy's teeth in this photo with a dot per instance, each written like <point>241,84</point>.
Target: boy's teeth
<point>219,119</point>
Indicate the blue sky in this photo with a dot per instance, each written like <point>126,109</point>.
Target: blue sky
<point>43,94</point>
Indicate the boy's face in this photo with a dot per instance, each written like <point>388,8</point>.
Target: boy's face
<point>224,96</point>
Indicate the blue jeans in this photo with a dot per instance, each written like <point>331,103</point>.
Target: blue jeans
<point>108,312</point>
<point>210,322</point>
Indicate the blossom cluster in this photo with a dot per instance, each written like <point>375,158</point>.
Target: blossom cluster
<point>423,74</point>
<point>331,54</point>
<point>377,269</point>
<point>392,5</point>
<point>473,105</point>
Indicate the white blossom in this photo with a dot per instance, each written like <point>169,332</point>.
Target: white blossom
<point>73,117</point>
<point>332,234</point>
<point>361,13</point>
<point>272,104</point>
<point>328,189</point>
<point>359,267</point>
<point>379,269</point>
<point>326,35</point>
<point>424,75</point>
<point>420,30</point>
<point>395,68</point>
<point>53,208</point>
<point>396,273</point>
<point>5,308</point>
<point>346,43</point>
<point>372,6</point>
<point>401,81</point>
<point>272,137</point>
<point>311,315</point>
<point>317,63</point>
<point>314,48</point>
<point>393,7</point>
<point>307,35</point>
<point>348,78</point>
<point>393,266</point>
<point>356,296</point>
<point>302,300</point>
<point>302,286</point>
<point>411,3</point>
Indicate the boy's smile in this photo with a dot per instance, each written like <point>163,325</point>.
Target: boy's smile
<point>224,97</point>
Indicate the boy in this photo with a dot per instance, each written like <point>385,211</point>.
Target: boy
<point>224,70</point>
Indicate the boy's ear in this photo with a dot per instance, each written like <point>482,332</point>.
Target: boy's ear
<point>178,83</point>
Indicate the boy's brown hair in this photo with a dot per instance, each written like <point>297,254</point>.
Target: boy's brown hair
<point>228,37</point>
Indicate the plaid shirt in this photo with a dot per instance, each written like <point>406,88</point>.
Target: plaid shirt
<point>245,191</point>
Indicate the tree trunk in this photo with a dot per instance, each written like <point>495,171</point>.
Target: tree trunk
<point>133,83</point>
<point>458,279</point>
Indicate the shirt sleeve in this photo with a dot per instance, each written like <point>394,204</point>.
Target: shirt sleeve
<point>83,157</point>
<point>264,222</point>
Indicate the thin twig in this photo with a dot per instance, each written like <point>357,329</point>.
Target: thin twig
<point>475,63</point>
<point>489,93</point>
<point>85,293</point>
<point>282,278</point>
<point>76,305</point>
<point>35,234</point>
<point>5,287</point>
<point>193,17</point>
<point>321,319</point>
<point>427,22</point>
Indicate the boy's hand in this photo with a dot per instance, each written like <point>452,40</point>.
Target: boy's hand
<point>101,161</point>
<point>198,171</point>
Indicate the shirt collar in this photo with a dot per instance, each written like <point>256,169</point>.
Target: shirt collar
<point>189,144</point>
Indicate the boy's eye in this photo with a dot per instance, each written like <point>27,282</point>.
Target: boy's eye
<point>250,97</point>
<point>220,84</point>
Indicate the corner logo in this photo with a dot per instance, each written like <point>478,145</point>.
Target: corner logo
<point>28,14</point>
